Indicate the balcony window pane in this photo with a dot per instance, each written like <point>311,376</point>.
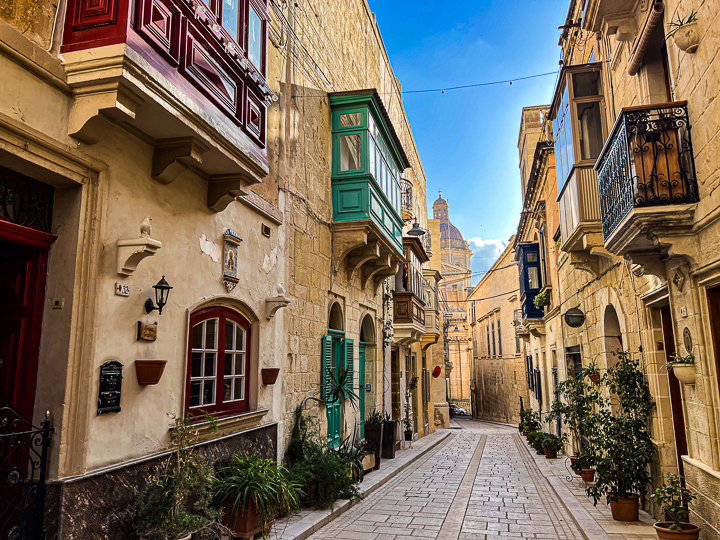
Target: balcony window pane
<point>532,257</point>
<point>590,132</point>
<point>350,119</point>
<point>255,39</point>
<point>534,277</point>
<point>586,84</point>
<point>230,16</point>
<point>373,157</point>
<point>350,152</point>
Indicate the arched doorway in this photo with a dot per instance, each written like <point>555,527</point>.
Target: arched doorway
<point>366,368</point>
<point>335,350</point>
<point>613,343</point>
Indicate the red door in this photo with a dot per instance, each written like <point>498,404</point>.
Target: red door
<point>23,270</point>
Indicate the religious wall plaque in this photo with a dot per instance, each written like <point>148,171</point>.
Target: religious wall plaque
<point>230,259</point>
<point>110,385</point>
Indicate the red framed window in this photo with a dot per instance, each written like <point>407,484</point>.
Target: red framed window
<point>218,372</point>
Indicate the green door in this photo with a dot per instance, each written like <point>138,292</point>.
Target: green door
<point>361,388</point>
<point>332,359</point>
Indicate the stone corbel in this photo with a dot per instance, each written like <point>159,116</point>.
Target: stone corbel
<point>382,276</point>
<point>624,28</point>
<point>226,188</point>
<point>384,262</point>
<point>95,106</point>
<point>131,252</point>
<point>358,258</point>
<point>346,239</point>
<point>273,304</point>
<point>173,156</point>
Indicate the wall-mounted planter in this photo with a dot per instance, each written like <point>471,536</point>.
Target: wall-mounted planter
<point>270,375</point>
<point>149,371</point>
<point>685,374</point>
<point>687,37</point>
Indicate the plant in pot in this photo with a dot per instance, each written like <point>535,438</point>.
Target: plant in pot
<point>353,450</point>
<point>407,420</point>
<point>251,490</point>
<point>542,299</point>
<point>178,503</point>
<point>625,449</point>
<point>531,421</point>
<point>674,499</point>
<point>374,424</point>
<point>683,367</point>
<point>684,32</point>
<point>551,444</point>
<point>536,439</point>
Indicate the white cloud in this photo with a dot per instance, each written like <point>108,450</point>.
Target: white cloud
<point>485,253</point>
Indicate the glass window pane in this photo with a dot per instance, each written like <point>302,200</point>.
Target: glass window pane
<point>532,257</point>
<point>211,334</point>
<point>229,335</point>
<point>196,369</point>
<point>230,17</point>
<point>209,393</point>
<point>586,84</point>
<point>255,39</point>
<point>239,364</point>
<point>534,277</point>
<point>197,337</point>
<point>350,152</point>
<point>228,364</point>
<point>227,390</point>
<point>240,345</point>
<point>195,393</point>
<point>210,364</point>
<point>372,153</point>
<point>240,388</point>
<point>590,132</point>
<point>350,119</point>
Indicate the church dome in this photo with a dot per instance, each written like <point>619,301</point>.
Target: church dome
<point>440,201</point>
<point>451,231</point>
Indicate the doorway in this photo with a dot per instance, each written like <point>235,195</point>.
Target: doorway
<point>674,385</point>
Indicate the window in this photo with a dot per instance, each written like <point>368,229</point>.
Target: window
<point>493,338</point>
<point>250,31</point>
<point>351,152</point>
<point>487,327</point>
<point>218,361</point>
<point>577,119</point>
<point>255,38</point>
<point>499,339</point>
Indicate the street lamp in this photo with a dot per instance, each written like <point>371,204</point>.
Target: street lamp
<point>416,229</point>
<point>162,291</point>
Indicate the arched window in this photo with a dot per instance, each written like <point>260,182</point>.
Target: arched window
<point>218,361</point>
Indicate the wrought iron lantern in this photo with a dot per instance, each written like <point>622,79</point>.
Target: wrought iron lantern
<point>162,291</point>
<point>416,229</point>
<point>574,318</point>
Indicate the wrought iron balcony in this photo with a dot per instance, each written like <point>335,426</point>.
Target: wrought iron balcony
<point>646,162</point>
<point>406,199</point>
<point>427,242</point>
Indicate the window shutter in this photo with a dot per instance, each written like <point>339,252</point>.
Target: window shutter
<point>350,364</point>
<point>326,367</point>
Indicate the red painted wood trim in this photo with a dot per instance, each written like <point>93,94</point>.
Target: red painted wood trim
<point>25,235</point>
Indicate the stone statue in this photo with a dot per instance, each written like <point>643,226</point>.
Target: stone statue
<point>145,227</point>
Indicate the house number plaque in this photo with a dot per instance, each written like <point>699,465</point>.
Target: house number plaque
<point>110,385</point>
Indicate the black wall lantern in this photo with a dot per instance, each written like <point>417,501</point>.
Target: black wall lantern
<point>574,318</point>
<point>416,229</point>
<point>162,291</point>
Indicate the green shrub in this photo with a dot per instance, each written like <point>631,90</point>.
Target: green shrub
<point>536,439</point>
<point>552,442</point>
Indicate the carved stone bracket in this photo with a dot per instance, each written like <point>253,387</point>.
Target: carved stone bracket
<point>226,188</point>
<point>273,304</point>
<point>131,252</point>
<point>174,156</point>
<point>357,259</point>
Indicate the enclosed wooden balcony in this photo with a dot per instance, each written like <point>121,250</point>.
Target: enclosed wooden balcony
<point>409,298</point>
<point>432,306</point>
<point>646,179</point>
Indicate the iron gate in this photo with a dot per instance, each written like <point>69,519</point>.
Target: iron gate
<point>23,467</point>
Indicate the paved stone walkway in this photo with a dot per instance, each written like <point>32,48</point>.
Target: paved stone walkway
<point>478,484</point>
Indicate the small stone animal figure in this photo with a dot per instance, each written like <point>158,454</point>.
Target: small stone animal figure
<point>281,290</point>
<point>145,227</point>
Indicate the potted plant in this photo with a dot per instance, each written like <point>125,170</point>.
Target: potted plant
<point>530,421</point>
<point>374,433</point>
<point>683,367</point>
<point>250,490</point>
<point>684,32</point>
<point>407,420</point>
<point>551,444</point>
<point>542,299</point>
<point>674,499</point>
<point>535,439</point>
<point>625,447</point>
<point>354,450</point>
<point>178,503</point>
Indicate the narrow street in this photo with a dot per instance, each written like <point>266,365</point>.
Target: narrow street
<point>481,482</point>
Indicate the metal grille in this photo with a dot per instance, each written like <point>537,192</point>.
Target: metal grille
<point>647,161</point>
<point>406,195</point>
<point>25,201</point>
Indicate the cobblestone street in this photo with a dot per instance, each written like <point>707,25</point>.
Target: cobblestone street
<point>481,482</point>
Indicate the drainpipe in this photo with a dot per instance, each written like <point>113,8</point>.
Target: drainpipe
<point>656,15</point>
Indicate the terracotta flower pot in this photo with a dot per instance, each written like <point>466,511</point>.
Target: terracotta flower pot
<point>577,471</point>
<point>270,375</point>
<point>588,475</point>
<point>526,433</point>
<point>550,454</point>
<point>626,508</point>
<point>687,37</point>
<point>149,371</point>
<point>594,377</point>
<point>245,524</point>
<point>689,531</point>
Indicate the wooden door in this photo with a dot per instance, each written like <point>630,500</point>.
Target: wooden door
<point>334,410</point>
<point>361,388</point>
<point>22,290</point>
<point>675,395</point>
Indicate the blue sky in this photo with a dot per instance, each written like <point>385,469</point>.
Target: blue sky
<point>468,138</point>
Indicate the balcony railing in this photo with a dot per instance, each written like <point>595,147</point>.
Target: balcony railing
<point>406,198</point>
<point>427,242</point>
<point>646,161</point>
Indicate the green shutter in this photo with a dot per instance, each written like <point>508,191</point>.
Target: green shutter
<point>326,367</point>
<point>349,364</point>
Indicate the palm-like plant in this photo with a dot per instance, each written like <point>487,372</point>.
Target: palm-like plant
<point>252,478</point>
<point>341,388</point>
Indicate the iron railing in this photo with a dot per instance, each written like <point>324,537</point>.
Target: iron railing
<point>406,198</point>
<point>647,161</point>
<point>427,242</point>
